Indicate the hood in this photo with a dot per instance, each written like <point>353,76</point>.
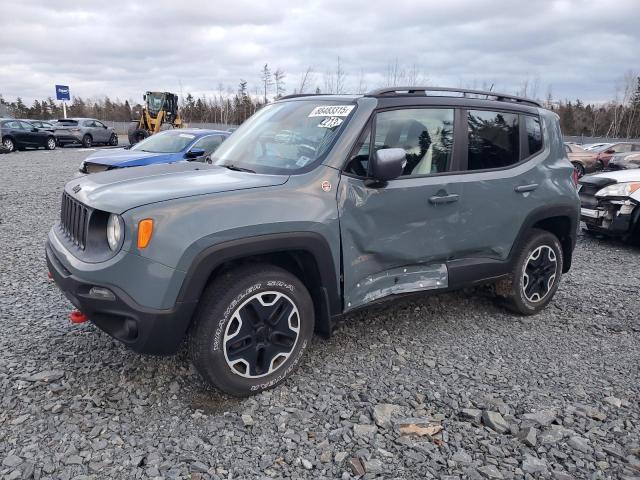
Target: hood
<point>121,157</point>
<point>620,176</point>
<point>119,190</point>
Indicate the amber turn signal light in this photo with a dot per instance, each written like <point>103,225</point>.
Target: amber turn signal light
<point>145,230</point>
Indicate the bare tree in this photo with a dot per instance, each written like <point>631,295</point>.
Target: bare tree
<point>305,80</point>
<point>362,86</point>
<point>278,77</point>
<point>340,77</point>
<point>267,80</point>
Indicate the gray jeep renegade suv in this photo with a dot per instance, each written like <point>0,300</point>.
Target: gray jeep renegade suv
<point>316,206</point>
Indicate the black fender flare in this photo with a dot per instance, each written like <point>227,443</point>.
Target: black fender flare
<point>328,289</point>
<point>570,212</point>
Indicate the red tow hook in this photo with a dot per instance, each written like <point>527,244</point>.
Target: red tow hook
<point>76,316</point>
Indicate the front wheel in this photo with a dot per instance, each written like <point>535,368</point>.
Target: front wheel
<point>51,143</point>
<point>536,274</point>
<point>251,329</point>
<point>113,141</point>
<point>8,144</point>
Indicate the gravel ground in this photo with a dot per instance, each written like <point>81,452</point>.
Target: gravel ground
<point>550,396</point>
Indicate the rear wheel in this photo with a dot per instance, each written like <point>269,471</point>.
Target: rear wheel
<point>579,168</point>
<point>51,143</point>
<point>9,144</point>
<point>113,141</point>
<point>536,274</point>
<point>252,327</point>
<point>87,141</point>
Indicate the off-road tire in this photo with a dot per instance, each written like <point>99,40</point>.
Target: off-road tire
<point>87,141</point>
<point>51,143</point>
<point>136,134</point>
<point>512,289</point>
<point>217,306</point>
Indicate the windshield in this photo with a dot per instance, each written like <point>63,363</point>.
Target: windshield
<point>165,142</point>
<point>285,137</point>
<point>154,103</point>
<point>602,148</point>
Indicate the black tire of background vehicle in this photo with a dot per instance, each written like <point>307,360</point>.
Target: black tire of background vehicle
<point>514,292</point>
<point>579,168</point>
<point>137,134</point>
<point>87,141</point>
<point>215,311</point>
<point>51,143</point>
<point>9,144</point>
<point>113,141</point>
<point>599,165</point>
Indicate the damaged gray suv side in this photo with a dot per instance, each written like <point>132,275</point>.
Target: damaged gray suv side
<point>316,206</point>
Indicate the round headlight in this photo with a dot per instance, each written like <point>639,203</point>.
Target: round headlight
<point>114,231</point>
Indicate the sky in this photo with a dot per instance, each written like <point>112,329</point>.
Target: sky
<point>122,48</point>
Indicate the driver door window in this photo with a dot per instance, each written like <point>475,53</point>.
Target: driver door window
<point>208,144</point>
<point>425,134</point>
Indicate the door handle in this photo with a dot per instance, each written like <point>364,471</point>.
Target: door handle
<point>440,199</point>
<point>526,188</point>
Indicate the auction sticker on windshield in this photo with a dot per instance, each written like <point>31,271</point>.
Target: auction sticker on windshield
<point>332,111</point>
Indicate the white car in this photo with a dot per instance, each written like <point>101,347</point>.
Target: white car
<point>610,203</point>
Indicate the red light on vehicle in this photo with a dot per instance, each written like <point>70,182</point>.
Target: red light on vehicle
<point>77,316</point>
<point>574,177</point>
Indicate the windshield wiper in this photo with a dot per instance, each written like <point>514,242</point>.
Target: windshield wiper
<point>235,168</point>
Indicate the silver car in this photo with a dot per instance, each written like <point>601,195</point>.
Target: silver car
<point>84,131</point>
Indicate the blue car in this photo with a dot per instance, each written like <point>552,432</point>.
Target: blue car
<point>164,147</point>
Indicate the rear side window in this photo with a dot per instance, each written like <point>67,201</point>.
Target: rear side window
<point>494,139</point>
<point>534,134</point>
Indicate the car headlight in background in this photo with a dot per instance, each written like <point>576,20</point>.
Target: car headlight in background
<point>619,190</point>
<point>115,231</point>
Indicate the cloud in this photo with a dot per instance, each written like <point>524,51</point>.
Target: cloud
<point>122,48</point>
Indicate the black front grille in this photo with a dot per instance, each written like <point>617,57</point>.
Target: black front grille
<point>74,218</point>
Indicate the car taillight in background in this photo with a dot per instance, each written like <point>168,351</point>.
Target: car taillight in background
<point>574,177</point>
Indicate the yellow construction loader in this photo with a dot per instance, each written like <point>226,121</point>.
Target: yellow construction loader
<point>160,112</point>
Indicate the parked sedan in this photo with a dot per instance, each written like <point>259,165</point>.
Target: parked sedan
<point>84,131</point>
<point>624,161</point>
<point>18,135</point>
<point>582,161</point>
<point>606,152</point>
<point>41,125</point>
<point>164,147</point>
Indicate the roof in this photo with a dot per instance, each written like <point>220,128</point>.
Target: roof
<point>198,131</point>
<point>415,91</point>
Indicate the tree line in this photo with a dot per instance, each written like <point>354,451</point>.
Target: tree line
<point>618,118</point>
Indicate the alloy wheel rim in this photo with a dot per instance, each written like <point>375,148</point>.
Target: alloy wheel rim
<point>539,273</point>
<point>9,144</point>
<point>261,334</point>
<point>51,144</point>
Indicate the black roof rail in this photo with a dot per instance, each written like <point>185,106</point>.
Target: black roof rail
<point>297,95</point>
<point>501,97</point>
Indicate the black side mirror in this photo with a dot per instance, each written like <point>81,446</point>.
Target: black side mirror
<point>195,153</point>
<point>388,163</point>
<point>611,150</point>
<point>34,129</point>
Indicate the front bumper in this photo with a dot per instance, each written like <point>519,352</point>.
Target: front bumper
<point>143,329</point>
<point>611,216</point>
